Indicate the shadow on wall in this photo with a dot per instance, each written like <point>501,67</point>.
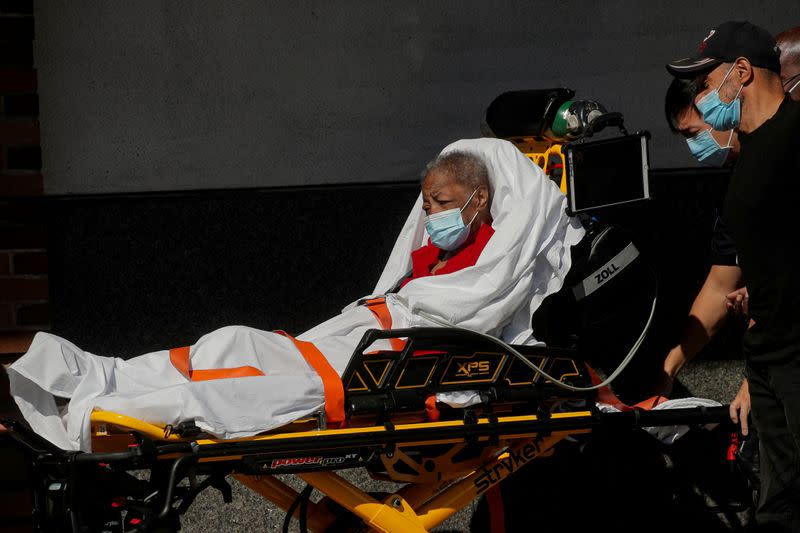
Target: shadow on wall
<point>132,274</point>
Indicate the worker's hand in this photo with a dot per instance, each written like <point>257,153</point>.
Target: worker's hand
<point>738,302</point>
<point>740,407</point>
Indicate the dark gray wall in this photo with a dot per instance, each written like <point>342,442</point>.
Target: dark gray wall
<point>159,95</point>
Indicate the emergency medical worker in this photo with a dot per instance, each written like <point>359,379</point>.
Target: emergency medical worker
<point>714,148</point>
<point>711,306</point>
<point>742,89</point>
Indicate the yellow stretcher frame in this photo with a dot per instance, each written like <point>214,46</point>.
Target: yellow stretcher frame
<point>462,459</point>
<point>443,464</point>
<point>543,153</point>
<point>416,506</point>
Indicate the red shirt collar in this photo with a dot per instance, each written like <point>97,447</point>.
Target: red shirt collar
<point>425,258</point>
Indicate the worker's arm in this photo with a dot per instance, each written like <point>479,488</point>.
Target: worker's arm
<point>706,317</point>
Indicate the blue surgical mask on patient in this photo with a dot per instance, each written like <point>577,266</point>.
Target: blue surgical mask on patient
<point>707,150</point>
<point>718,114</point>
<point>447,229</point>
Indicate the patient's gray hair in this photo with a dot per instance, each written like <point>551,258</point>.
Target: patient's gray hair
<point>466,169</point>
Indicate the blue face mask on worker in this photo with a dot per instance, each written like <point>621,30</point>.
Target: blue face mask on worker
<point>707,150</point>
<point>447,229</point>
<point>718,114</point>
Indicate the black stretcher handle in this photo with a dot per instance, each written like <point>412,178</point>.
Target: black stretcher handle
<point>637,418</point>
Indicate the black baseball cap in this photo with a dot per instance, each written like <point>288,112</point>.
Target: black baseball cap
<point>726,43</point>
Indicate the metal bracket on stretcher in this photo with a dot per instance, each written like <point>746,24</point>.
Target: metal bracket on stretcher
<point>445,459</point>
<point>441,360</point>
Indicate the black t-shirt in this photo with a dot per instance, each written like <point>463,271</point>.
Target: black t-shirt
<point>723,247</point>
<point>760,211</point>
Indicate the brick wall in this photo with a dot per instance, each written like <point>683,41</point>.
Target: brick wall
<point>23,256</point>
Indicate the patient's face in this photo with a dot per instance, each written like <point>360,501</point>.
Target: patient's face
<point>440,193</point>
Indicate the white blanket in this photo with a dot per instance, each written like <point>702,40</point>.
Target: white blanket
<point>525,260</point>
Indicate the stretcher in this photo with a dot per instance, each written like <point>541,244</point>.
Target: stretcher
<point>443,456</point>
<point>520,402</point>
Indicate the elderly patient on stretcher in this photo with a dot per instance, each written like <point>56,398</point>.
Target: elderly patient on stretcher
<point>486,241</point>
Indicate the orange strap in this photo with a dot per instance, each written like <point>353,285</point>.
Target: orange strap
<point>180,360</point>
<point>331,382</point>
<point>606,395</point>
<point>381,311</point>
<point>431,411</point>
